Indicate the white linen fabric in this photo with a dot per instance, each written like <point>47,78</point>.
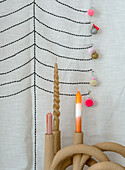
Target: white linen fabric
<point>25,101</point>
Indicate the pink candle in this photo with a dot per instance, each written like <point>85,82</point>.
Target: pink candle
<point>49,123</point>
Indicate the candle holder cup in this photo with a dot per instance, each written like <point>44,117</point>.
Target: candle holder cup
<point>79,154</point>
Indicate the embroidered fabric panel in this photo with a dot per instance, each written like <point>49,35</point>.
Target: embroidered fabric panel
<point>32,35</point>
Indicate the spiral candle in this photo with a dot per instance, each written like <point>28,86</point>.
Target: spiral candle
<point>56,112</point>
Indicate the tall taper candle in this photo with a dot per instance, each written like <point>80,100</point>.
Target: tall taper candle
<point>49,123</point>
<point>56,112</point>
<point>78,112</point>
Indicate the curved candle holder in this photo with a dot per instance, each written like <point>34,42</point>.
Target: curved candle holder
<point>79,154</point>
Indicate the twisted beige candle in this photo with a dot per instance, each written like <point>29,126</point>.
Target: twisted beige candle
<point>56,112</point>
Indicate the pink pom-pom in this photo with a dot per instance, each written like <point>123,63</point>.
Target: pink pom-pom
<point>93,78</point>
<point>89,102</point>
<point>90,12</point>
<point>91,50</point>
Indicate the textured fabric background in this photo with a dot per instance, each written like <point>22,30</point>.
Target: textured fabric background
<point>104,121</point>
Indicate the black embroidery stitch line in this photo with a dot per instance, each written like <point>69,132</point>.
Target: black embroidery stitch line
<point>68,83</point>
<point>61,94</point>
<point>2,1</point>
<point>65,32</point>
<point>73,48</point>
<point>62,16</point>
<point>16,40</point>
<point>16,53</point>
<point>20,23</point>
<point>70,58</point>
<point>17,81</point>
<point>73,70</point>
<point>35,111</point>
<point>17,67</point>
<point>78,10</point>
<point>14,94</point>
<point>16,10</point>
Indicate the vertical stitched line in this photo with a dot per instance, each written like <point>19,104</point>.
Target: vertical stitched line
<point>34,25</point>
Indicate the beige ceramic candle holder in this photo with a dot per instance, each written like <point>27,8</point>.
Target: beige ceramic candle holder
<point>79,154</point>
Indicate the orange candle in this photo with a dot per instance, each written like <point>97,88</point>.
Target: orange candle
<point>78,112</point>
<point>49,123</point>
